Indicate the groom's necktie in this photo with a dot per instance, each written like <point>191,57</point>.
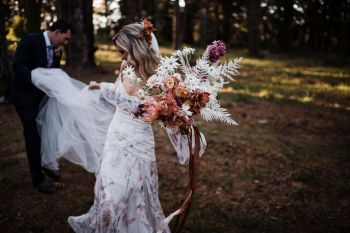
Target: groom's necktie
<point>49,51</point>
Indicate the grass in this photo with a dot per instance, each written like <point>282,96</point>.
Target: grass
<point>285,168</point>
<point>297,80</point>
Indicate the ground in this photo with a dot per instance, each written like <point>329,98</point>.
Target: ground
<point>284,168</point>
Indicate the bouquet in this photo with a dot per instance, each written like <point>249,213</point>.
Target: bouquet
<point>179,91</point>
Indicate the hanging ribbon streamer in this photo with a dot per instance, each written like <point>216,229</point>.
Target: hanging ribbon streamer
<point>186,202</point>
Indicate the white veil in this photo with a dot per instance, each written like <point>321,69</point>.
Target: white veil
<point>154,45</point>
<point>73,121</point>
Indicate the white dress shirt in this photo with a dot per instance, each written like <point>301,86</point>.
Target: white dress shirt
<point>49,49</point>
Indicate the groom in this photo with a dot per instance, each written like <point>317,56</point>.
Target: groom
<point>33,51</point>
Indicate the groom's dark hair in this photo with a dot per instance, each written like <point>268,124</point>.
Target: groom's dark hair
<point>61,25</point>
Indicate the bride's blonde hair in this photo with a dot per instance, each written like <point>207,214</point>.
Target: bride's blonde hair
<point>139,53</point>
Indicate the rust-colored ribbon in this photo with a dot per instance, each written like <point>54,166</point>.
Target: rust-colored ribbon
<point>194,165</point>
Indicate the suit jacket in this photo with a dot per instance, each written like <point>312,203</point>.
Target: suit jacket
<point>30,54</point>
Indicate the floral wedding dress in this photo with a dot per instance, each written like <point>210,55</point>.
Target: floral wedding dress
<point>126,189</point>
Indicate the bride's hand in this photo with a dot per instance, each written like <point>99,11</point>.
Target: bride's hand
<point>117,72</point>
<point>94,85</point>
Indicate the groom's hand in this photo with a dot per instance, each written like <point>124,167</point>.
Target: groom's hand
<point>94,85</point>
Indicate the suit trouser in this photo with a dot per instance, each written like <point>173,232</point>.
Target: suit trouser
<point>32,142</point>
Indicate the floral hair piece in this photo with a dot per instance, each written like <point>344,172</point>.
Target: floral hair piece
<point>147,30</point>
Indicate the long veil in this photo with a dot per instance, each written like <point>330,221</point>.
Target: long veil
<point>73,121</point>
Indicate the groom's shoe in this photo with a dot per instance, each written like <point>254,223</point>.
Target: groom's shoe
<point>46,187</point>
<point>54,174</point>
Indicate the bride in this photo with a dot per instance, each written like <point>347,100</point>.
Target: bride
<point>96,130</point>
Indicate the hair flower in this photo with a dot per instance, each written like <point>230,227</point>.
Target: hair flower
<point>147,31</point>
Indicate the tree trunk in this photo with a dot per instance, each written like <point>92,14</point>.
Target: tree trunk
<point>253,27</point>
<point>203,23</point>
<point>226,26</point>
<point>80,50</point>
<point>345,31</point>
<point>130,11</point>
<point>284,30</point>
<point>89,32</point>
<point>5,71</point>
<point>177,30</point>
<point>163,21</point>
<point>191,12</point>
<point>32,12</point>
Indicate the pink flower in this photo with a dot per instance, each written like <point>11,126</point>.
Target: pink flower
<point>178,112</point>
<point>151,102</point>
<point>152,80</point>
<point>168,98</point>
<point>216,50</point>
<point>162,107</point>
<point>151,114</point>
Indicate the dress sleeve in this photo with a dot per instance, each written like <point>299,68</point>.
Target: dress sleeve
<point>181,146</point>
<point>108,93</point>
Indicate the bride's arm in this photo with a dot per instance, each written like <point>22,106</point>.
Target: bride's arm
<point>107,90</point>
<point>95,85</point>
<point>130,86</point>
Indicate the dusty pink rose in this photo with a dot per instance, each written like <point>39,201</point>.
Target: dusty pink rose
<point>162,107</point>
<point>151,114</point>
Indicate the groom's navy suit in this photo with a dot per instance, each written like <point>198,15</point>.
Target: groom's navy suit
<point>31,53</point>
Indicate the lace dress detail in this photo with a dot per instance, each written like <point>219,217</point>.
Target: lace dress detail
<point>126,189</point>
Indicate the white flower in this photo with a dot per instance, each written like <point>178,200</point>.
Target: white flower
<point>129,74</point>
<point>177,76</point>
<point>191,81</point>
<point>177,53</point>
<point>186,110</point>
<point>202,64</point>
<point>161,71</point>
<point>168,64</point>
<point>141,94</point>
<point>187,51</point>
<point>213,72</point>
